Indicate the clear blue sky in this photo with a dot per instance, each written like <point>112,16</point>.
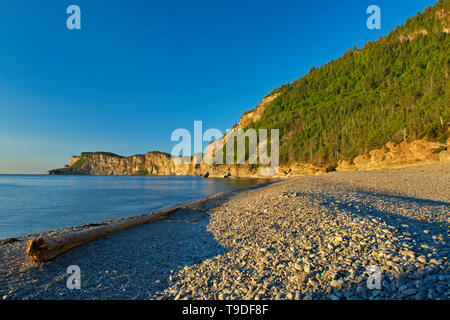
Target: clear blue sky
<point>137,69</point>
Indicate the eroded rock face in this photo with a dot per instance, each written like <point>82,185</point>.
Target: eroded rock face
<point>73,159</point>
<point>246,119</point>
<point>441,15</point>
<point>301,169</point>
<point>99,164</point>
<point>444,16</point>
<point>152,163</point>
<point>398,155</point>
<point>156,163</point>
<point>257,113</point>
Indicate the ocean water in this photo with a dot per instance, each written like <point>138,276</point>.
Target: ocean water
<point>36,203</point>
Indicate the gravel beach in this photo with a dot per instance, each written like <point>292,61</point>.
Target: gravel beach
<point>310,237</point>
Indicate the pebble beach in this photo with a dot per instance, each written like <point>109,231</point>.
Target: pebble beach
<point>307,237</point>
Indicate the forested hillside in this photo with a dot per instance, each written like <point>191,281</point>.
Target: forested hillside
<point>392,89</point>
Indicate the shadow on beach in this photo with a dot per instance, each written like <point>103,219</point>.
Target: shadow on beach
<point>132,264</point>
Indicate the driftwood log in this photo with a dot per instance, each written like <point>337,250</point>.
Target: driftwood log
<point>41,250</point>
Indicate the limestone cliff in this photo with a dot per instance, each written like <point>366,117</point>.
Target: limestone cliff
<point>254,115</point>
<point>399,155</point>
<point>152,163</point>
<point>247,118</point>
<point>159,163</point>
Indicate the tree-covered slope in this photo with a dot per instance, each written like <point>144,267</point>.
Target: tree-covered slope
<point>392,89</point>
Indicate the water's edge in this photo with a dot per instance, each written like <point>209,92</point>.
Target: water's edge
<point>262,184</point>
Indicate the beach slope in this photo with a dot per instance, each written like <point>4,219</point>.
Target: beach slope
<point>311,237</point>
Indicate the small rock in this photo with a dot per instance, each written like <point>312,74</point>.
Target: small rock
<point>409,254</point>
<point>337,283</point>
<point>434,261</point>
<point>301,278</point>
<point>422,259</point>
<point>409,292</point>
<point>421,295</point>
<point>299,267</point>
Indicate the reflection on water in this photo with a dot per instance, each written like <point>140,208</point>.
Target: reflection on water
<point>36,203</point>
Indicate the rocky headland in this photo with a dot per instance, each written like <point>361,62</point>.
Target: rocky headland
<point>392,155</point>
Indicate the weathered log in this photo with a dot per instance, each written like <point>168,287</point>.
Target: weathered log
<point>41,250</point>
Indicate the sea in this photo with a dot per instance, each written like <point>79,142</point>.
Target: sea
<point>35,203</point>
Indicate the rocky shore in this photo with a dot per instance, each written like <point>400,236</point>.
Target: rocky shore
<point>310,237</point>
<point>314,238</point>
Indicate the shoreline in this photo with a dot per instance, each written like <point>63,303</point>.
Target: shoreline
<point>320,235</point>
<point>60,231</point>
<point>309,237</point>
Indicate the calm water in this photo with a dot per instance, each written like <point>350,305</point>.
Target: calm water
<point>36,203</point>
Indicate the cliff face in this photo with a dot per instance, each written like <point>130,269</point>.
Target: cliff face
<point>256,114</point>
<point>157,163</point>
<point>399,155</point>
<point>152,163</point>
<point>73,159</point>
<point>247,118</point>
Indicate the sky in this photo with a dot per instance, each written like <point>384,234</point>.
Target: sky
<point>137,70</point>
